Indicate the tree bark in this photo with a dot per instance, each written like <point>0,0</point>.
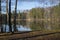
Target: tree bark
<point>15,14</point>
<point>7,9</point>
<point>10,27</point>
<point>6,15</point>
<point>1,27</point>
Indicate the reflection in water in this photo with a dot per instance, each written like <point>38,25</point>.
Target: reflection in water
<point>19,28</point>
<point>23,28</point>
<point>32,26</point>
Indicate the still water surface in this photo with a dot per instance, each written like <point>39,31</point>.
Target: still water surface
<point>32,26</point>
<point>19,28</point>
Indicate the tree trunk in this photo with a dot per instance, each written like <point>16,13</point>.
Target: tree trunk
<point>0,15</point>
<point>6,14</point>
<point>1,27</point>
<point>15,29</point>
<point>10,27</point>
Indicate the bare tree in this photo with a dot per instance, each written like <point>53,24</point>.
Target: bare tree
<point>10,27</point>
<point>15,29</point>
<point>1,27</point>
<point>0,15</point>
<point>7,9</point>
<point>6,18</point>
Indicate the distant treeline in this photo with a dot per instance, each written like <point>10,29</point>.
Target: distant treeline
<point>37,13</point>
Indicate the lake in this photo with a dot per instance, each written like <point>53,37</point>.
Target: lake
<point>32,26</point>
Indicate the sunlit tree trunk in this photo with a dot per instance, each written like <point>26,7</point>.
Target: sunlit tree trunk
<point>10,27</point>
<point>15,29</point>
<point>6,14</point>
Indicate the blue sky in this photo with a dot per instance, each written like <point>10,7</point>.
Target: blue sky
<point>29,4</point>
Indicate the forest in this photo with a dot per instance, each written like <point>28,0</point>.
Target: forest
<point>29,19</point>
<point>41,17</point>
